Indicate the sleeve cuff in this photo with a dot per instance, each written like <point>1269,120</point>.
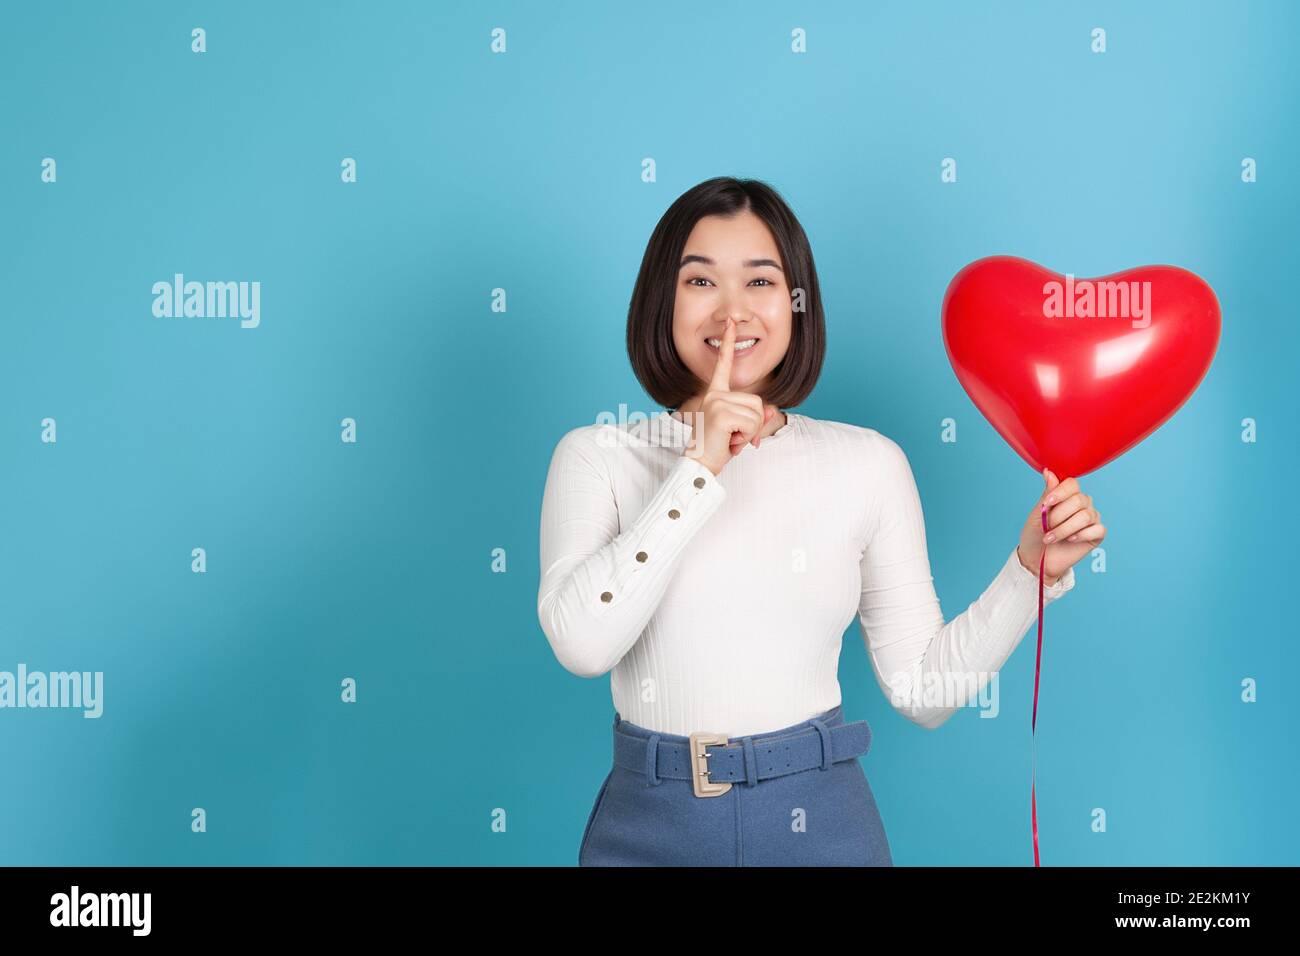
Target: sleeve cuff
<point>1064,583</point>
<point>691,483</point>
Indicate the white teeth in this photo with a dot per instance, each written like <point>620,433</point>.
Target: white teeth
<point>744,344</point>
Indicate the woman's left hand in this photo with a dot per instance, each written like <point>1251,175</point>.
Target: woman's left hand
<point>1073,528</point>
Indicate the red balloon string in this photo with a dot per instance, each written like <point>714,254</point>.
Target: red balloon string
<point>1033,724</point>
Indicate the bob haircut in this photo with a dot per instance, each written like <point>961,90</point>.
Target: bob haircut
<point>650,347</point>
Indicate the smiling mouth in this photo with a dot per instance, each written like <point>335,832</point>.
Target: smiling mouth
<point>742,345</point>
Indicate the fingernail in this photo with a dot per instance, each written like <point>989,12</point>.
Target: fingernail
<point>1051,499</point>
<point>1050,538</point>
<point>1072,537</point>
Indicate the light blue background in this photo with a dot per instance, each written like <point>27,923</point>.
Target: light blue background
<point>522,171</point>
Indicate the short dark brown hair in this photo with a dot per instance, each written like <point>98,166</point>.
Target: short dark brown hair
<point>650,347</point>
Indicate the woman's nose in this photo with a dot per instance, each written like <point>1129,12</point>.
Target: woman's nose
<point>733,310</point>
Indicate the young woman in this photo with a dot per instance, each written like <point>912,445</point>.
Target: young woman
<point>710,559</point>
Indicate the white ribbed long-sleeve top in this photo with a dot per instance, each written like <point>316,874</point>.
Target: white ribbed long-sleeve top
<point>718,604</point>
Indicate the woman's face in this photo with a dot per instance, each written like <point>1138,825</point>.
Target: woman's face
<point>731,266</point>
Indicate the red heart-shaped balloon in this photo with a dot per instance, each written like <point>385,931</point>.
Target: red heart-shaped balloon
<point>1075,372</point>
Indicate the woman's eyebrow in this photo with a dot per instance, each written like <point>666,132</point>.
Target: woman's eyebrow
<point>748,263</point>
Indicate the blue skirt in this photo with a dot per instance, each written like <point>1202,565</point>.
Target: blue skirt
<point>647,812</point>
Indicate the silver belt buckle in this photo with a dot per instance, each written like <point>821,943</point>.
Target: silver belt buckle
<point>704,787</point>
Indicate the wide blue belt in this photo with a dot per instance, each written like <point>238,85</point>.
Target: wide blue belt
<point>740,759</point>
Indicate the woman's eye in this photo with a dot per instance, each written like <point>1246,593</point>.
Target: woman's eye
<point>694,279</point>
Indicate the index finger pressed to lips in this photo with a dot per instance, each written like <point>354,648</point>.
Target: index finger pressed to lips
<point>722,371</point>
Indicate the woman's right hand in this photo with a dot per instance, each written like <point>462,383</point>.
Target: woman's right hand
<point>728,419</point>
